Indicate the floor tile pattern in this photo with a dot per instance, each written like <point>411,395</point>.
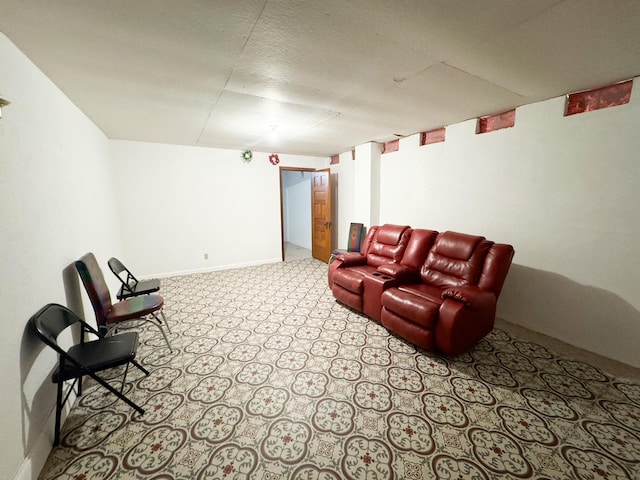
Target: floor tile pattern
<point>270,379</point>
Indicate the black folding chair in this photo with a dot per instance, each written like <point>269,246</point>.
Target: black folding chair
<point>131,286</point>
<point>88,357</point>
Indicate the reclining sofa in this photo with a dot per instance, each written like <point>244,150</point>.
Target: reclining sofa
<point>437,290</point>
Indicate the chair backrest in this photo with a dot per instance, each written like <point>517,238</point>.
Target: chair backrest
<point>455,259</point>
<point>496,267</point>
<point>418,247</point>
<point>128,280</point>
<point>96,287</point>
<point>388,244</point>
<point>366,243</point>
<point>50,321</point>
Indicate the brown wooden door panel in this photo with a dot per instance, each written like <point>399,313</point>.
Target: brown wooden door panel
<point>321,215</point>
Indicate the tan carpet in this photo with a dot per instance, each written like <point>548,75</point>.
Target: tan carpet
<point>272,379</point>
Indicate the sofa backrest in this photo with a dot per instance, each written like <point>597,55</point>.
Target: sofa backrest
<point>496,267</point>
<point>420,243</point>
<point>388,244</point>
<point>371,232</point>
<point>455,259</point>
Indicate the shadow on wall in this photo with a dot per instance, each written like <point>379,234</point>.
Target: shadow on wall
<point>37,361</point>
<point>587,317</point>
<point>37,392</point>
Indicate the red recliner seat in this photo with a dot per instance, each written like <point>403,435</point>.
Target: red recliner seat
<point>454,304</point>
<point>347,258</point>
<point>383,245</point>
<point>392,274</point>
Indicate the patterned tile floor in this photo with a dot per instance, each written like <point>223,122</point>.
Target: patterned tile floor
<point>270,378</point>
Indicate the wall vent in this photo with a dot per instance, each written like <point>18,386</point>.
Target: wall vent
<point>496,122</point>
<point>433,136</point>
<point>603,97</point>
<point>392,146</point>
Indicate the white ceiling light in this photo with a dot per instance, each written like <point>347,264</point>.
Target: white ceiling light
<point>273,134</point>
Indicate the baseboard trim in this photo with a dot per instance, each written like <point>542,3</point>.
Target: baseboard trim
<point>37,455</point>
<point>212,269</point>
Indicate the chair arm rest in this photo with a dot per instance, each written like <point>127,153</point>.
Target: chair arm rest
<point>351,259</point>
<point>471,296</point>
<point>399,272</point>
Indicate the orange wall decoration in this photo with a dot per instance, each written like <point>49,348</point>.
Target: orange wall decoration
<point>433,136</point>
<point>604,97</point>
<point>496,122</point>
<point>392,146</point>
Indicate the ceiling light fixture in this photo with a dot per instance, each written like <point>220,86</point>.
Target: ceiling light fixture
<point>273,135</point>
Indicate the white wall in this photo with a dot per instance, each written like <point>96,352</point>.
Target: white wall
<point>343,182</point>
<point>56,203</point>
<point>177,203</point>
<point>296,192</point>
<point>563,190</point>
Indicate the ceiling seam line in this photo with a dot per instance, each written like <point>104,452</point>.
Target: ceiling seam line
<point>233,69</point>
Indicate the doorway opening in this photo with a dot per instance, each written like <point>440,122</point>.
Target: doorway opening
<point>295,210</point>
<point>305,213</point>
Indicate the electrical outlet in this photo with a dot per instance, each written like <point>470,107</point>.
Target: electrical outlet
<point>206,256</point>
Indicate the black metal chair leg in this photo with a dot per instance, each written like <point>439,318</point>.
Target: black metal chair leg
<point>140,367</point>
<point>56,435</point>
<point>106,385</point>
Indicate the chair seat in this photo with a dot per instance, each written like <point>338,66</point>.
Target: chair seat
<point>415,306</point>
<point>135,307</point>
<point>98,355</point>
<point>143,287</point>
<point>427,292</point>
<point>352,278</point>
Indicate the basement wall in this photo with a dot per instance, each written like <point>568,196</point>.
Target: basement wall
<point>563,190</point>
<point>56,203</point>
<point>198,201</point>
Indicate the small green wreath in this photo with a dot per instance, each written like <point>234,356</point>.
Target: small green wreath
<point>247,156</point>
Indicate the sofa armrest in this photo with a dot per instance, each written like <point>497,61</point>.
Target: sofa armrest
<point>471,296</point>
<point>351,259</point>
<point>403,273</point>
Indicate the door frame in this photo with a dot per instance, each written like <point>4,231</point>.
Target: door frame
<point>288,169</point>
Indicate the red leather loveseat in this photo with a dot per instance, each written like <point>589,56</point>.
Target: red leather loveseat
<point>440,294</point>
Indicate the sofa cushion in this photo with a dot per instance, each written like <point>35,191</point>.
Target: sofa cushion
<point>390,234</point>
<point>388,245</point>
<point>426,292</point>
<point>419,336</point>
<point>418,247</point>
<point>455,245</point>
<point>418,309</point>
<point>353,300</point>
<point>352,278</point>
<point>455,259</point>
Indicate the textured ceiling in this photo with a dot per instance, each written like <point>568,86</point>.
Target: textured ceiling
<point>329,74</point>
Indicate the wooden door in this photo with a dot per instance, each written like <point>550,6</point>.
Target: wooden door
<point>321,215</point>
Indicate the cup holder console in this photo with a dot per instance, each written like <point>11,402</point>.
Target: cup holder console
<point>384,277</point>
